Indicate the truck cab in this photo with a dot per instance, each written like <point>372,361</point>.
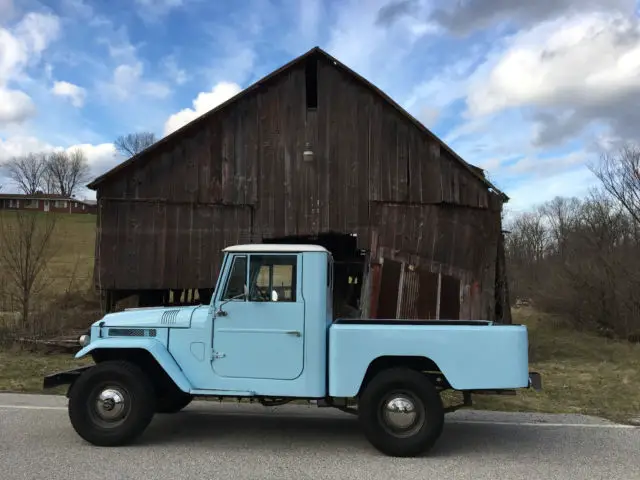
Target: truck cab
<point>269,335</point>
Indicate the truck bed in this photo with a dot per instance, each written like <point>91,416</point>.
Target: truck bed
<point>402,321</point>
<point>472,354</point>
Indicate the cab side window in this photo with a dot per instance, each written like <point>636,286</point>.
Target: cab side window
<point>273,272</point>
<point>237,278</point>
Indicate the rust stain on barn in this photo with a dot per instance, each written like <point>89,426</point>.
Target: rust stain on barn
<point>311,153</point>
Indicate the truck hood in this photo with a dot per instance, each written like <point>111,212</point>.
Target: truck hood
<point>158,317</point>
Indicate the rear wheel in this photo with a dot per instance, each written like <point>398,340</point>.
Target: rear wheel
<point>112,403</point>
<point>401,412</point>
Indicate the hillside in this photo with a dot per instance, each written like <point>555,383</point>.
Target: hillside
<point>71,266</point>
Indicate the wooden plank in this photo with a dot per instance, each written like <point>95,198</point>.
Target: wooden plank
<point>251,153</point>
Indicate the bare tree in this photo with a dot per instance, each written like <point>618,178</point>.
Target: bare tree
<point>26,240</point>
<point>582,262</point>
<point>133,143</point>
<point>66,171</point>
<point>619,174</point>
<point>27,171</point>
<point>561,214</point>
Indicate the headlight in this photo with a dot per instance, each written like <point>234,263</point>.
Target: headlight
<point>84,340</point>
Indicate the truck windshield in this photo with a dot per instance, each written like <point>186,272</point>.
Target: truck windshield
<point>237,278</point>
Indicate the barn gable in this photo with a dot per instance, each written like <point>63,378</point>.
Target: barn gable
<point>296,68</point>
<point>311,149</point>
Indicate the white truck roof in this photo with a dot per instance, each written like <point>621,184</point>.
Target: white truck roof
<point>275,247</point>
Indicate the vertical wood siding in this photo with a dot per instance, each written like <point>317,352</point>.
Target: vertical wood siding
<point>241,176</point>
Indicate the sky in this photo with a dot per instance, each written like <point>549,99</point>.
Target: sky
<point>530,91</point>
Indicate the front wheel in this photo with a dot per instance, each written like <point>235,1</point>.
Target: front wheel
<point>112,403</point>
<point>401,412</point>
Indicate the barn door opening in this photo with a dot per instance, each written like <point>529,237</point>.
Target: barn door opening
<point>389,287</point>
<point>348,268</point>
<point>403,291</point>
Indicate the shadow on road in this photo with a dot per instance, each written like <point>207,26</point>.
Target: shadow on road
<point>194,429</point>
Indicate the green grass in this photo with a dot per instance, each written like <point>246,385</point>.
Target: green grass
<point>71,266</point>
<point>23,372</point>
<point>581,373</point>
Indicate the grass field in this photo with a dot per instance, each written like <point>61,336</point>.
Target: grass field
<point>71,267</point>
<point>582,373</point>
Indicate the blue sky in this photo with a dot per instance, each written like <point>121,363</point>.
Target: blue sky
<point>531,91</point>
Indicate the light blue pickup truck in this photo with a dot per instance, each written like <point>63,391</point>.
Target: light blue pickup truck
<point>274,342</point>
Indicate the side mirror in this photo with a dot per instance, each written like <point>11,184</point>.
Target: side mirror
<point>274,296</point>
<point>243,295</point>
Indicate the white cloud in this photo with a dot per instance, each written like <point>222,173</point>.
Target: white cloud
<point>97,155</point>
<point>13,56</point>
<point>534,191</point>
<point>73,92</point>
<point>25,43</point>
<point>161,5</point>
<point>100,157</point>
<point>15,106</point>
<point>153,10</point>
<point>174,73</point>
<point>463,17</point>
<point>373,39</point>
<point>547,166</point>
<point>587,59</point>
<point>19,48</point>
<point>37,31</point>
<point>18,146</point>
<point>444,87</point>
<point>128,80</point>
<point>204,102</point>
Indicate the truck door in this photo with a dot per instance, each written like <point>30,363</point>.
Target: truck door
<point>260,335</point>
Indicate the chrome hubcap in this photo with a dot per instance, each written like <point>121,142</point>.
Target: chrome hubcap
<point>402,414</point>
<point>110,404</point>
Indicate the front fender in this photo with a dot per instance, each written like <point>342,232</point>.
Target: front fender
<point>155,348</point>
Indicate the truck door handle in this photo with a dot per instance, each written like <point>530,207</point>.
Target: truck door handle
<point>295,333</point>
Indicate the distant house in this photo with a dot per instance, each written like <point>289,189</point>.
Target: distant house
<point>46,202</point>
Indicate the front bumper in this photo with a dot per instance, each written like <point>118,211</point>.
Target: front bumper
<point>535,381</point>
<point>65,377</point>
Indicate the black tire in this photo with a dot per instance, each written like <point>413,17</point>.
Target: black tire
<point>87,413</point>
<point>429,412</point>
<point>173,402</point>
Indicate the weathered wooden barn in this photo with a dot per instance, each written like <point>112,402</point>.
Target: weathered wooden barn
<point>311,153</point>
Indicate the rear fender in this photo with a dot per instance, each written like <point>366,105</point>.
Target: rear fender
<point>155,348</point>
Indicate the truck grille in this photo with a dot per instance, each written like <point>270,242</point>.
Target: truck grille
<point>132,332</point>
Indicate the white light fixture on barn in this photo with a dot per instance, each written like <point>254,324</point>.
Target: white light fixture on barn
<point>307,155</point>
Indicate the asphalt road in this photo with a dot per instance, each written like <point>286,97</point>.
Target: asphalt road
<point>231,441</point>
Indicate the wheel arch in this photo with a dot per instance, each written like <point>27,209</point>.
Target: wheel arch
<point>154,360</point>
<point>418,363</point>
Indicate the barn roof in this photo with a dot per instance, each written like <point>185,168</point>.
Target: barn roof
<point>475,171</point>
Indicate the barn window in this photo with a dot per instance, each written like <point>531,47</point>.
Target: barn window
<point>311,82</point>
